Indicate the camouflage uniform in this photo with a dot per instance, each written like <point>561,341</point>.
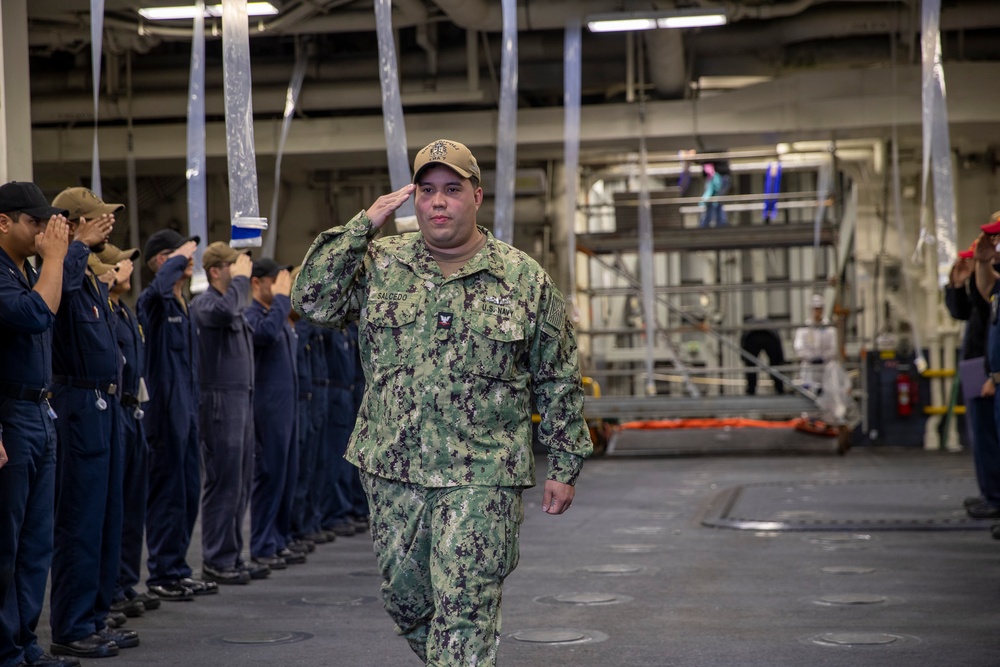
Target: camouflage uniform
<point>452,366</point>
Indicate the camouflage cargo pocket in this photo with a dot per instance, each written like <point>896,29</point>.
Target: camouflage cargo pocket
<point>495,346</point>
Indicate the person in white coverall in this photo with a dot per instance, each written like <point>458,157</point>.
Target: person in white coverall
<point>815,345</point>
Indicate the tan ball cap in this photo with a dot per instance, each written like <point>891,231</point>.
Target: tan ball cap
<point>449,153</point>
<point>82,203</point>
<point>217,253</point>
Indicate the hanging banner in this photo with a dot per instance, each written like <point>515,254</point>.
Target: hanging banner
<point>645,225</point>
<point>822,194</point>
<point>197,199</point>
<point>897,204</point>
<point>247,225</point>
<point>133,209</point>
<point>937,144</point>
<point>96,49</point>
<point>503,218</point>
<point>291,100</point>
<point>392,114</point>
<point>571,146</point>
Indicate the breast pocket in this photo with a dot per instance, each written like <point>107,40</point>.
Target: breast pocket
<point>93,336</point>
<point>177,333</point>
<point>388,332</point>
<point>233,342</point>
<point>494,346</point>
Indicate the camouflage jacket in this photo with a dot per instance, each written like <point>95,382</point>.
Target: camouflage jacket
<point>452,365</point>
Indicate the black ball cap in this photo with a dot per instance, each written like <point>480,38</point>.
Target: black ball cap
<point>27,198</point>
<point>165,239</point>
<point>265,267</point>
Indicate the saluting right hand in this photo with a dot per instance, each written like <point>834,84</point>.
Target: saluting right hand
<point>985,248</point>
<point>386,205</point>
<point>961,271</point>
<point>52,244</point>
<point>282,283</point>
<point>243,266</point>
<point>186,250</point>
<point>94,231</point>
<point>123,271</point>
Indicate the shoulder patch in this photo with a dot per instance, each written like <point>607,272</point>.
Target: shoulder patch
<point>555,318</point>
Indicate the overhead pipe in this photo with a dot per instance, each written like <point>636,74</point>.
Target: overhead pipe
<point>837,22</point>
<point>667,68</point>
<point>458,59</point>
<point>267,100</point>
<point>486,15</point>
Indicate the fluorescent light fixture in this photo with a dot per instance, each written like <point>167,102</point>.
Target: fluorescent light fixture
<point>621,25</point>
<point>696,17</point>
<point>701,21</point>
<point>189,11</point>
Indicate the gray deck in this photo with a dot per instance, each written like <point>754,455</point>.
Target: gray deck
<point>631,577</point>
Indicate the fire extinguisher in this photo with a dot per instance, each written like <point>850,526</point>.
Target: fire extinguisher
<point>904,395</point>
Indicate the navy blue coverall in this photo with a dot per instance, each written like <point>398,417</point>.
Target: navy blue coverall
<point>312,521</point>
<point>966,303</point>
<point>301,502</point>
<point>226,419</point>
<point>341,357</point>
<point>27,481</point>
<point>276,393</point>
<point>86,376</point>
<point>136,466</point>
<point>171,424</point>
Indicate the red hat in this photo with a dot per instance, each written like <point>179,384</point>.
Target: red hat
<point>993,226</point>
<point>965,254</point>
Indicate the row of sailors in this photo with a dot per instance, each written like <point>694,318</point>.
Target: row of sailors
<point>117,424</point>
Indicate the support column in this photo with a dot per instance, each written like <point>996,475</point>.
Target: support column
<point>15,93</point>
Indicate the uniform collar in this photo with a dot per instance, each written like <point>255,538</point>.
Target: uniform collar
<point>412,252</point>
<point>15,270</point>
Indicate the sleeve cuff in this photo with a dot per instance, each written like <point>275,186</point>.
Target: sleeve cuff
<point>564,467</point>
<point>361,225</point>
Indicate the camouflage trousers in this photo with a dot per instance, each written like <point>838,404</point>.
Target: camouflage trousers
<point>444,553</point>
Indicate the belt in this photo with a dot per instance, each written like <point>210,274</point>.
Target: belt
<point>23,393</point>
<point>321,382</point>
<point>305,396</point>
<point>109,388</point>
<point>995,377</point>
<point>348,387</point>
<point>130,401</point>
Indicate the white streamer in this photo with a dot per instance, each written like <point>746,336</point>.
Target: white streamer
<point>96,49</point>
<point>503,222</point>
<point>645,224</point>
<point>937,145</point>
<point>571,150</point>
<point>291,100</point>
<point>197,199</point>
<point>392,113</point>
<point>247,225</point>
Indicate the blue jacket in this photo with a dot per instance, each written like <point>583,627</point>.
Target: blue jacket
<point>25,328</point>
<point>130,344</point>
<point>274,345</point>
<point>225,336</point>
<point>303,358</point>
<point>171,350</point>
<point>85,338</point>
<point>966,303</point>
